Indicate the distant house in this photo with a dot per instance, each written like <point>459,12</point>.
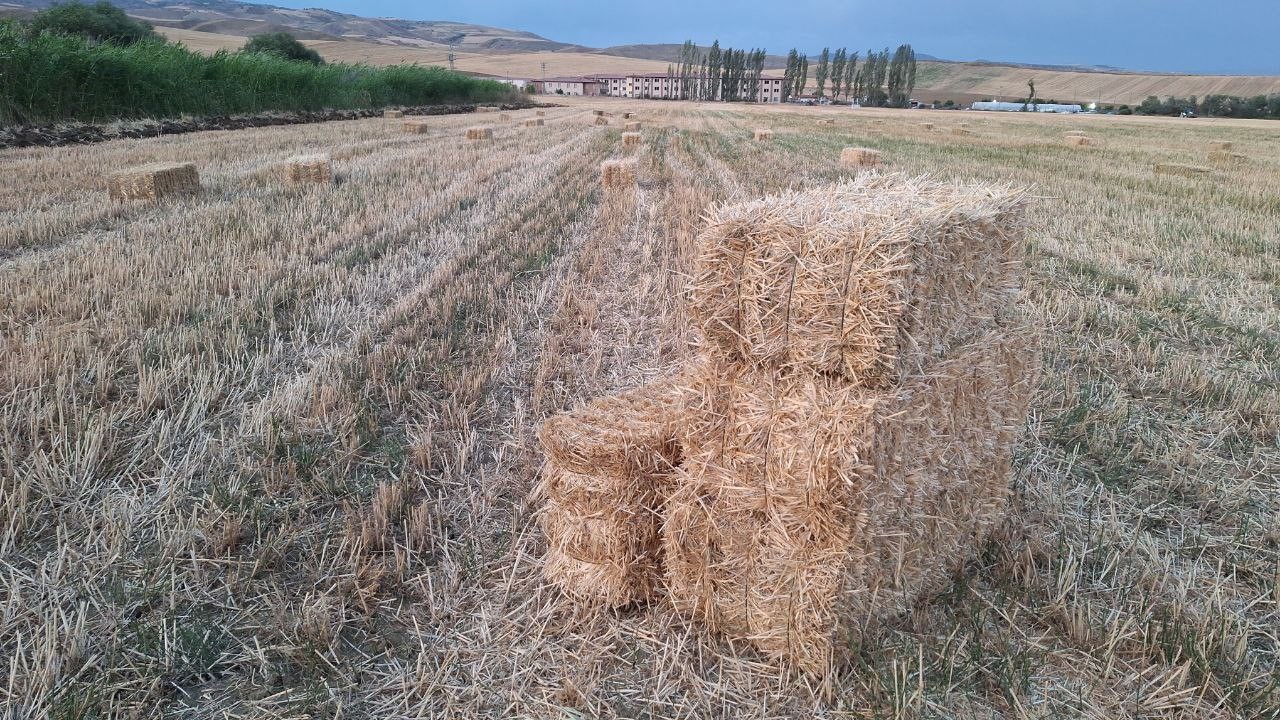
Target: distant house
<point>571,86</point>
<point>518,83</point>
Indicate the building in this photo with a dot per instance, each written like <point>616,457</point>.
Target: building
<point>517,83</point>
<point>570,86</point>
<point>1019,107</point>
<point>662,86</point>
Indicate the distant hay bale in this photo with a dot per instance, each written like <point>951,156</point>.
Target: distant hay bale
<point>1224,157</point>
<point>393,114</point>
<point>628,116</point>
<point>533,122</point>
<point>487,109</point>
<point>827,121</point>
<point>601,120</point>
<point>479,133</point>
<point>1222,145</point>
<point>609,467</point>
<point>771,288</point>
<point>309,168</point>
<point>928,126</point>
<point>1077,140</point>
<point>416,127</point>
<point>153,181</point>
<point>615,174</point>
<point>860,157</point>
<point>598,113</point>
<point>539,113</point>
<point>1189,171</point>
<point>763,134</point>
<point>630,139</point>
<point>961,131</point>
<point>631,127</point>
<point>504,117</point>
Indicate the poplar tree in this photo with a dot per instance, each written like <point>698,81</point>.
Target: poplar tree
<point>823,69</point>
<point>789,77</point>
<point>837,73</point>
<point>850,73</point>
<point>802,74</point>
<point>713,71</point>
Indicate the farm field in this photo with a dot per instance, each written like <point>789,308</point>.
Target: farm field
<point>268,450</point>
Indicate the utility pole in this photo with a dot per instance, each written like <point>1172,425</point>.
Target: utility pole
<point>452,56</point>
<point>544,71</point>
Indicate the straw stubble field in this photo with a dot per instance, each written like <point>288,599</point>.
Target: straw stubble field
<point>268,449</point>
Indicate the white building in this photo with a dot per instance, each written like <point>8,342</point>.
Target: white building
<point>662,86</point>
<point>1019,107</point>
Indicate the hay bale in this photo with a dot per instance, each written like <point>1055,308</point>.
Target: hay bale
<point>153,181</point>
<point>630,139</point>
<point>631,127</point>
<point>504,117</point>
<point>1180,169</point>
<point>539,113</point>
<point>866,279</point>
<point>487,108</point>
<point>615,174</point>
<point>1076,140</point>
<point>763,134</point>
<point>827,121</point>
<point>479,133</point>
<point>393,114</point>
<point>961,131</point>
<point>609,469</point>
<point>1222,145</point>
<point>1224,157</point>
<point>598,113</point>
<point>533,122</point>
<point>309,168</point>
<point>416,127</point>
<point>628,116</point>
<point>807,509</point>
<point>601,120</point>
<point>860,157</point>
<point>928,126</point>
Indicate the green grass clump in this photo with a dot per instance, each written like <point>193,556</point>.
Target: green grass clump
<point>47,78</point>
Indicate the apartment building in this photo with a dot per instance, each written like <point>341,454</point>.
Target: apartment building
<point>569,86</point>
<point>662,86</point>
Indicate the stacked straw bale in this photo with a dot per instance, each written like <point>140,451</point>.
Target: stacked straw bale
<point>630,139</point>
<point>153,181</point>
<point>394,114</point>
<point>479,133</point>
<point>416,127</point>
<point>309,168</point>
<point>1180,169</point>
<point>860,157</point>
<point>631,127</point>
<point>615,174</point>
<point>609,469</point>
<point>533,122</point>
<point>842,438</point>
<point>763,134</point>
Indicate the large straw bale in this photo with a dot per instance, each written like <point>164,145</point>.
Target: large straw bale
<point>628,116</point>
<point>597,113</point>
<point>309,168</point>
<point>533,122</point>
<point>807,508</point>
<point>394,114</point>
<point>763,134</point>
<point>860,157</point>
<point>479,133</point>
<point>609,471</point>
<point>153,181</point>
<point>866,279</point>
<point>630,139</point>
<point>1180,169</point>
<point>416,127</point>
<point>540,113</point>
<point>1077,140</point>
<point>928,126</point>
<point>631,127</point>
<point>618,173</point>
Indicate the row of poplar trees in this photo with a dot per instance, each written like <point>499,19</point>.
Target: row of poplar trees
<point>880,80</point>
<point>730,74</point>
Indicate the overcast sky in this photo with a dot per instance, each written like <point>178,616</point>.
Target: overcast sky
<point>1214,36</point>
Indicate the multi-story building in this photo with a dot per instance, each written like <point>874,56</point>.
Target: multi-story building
<point>666,87</point>
<point>570,86</point>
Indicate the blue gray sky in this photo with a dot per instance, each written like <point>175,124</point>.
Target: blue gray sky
<point>1218,36</point>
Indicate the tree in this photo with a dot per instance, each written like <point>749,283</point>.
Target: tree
<point>284,45</point>
<point>789,77</point>
<point>901,75</point>
<point>823,70</point>
<point>100,21</point>
<point>713,72</point>
<point>802,74</point>
<point>850,74</point>
<point>1031,94</point>
<point>874,72</point>
<point>837,72</point>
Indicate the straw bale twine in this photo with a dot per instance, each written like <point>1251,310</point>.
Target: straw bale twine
<point>763,134</point>
<point>309,168</point>
<point>479,133</point>
<point>533,122</point>
<point>864,279</point>
<point>416,127</point>
<point>618,173</point>
<point>631,139</point>
<point>393,114</point>
<point>153,181</point>
<point>860,157</point>
<point>1180,169</point>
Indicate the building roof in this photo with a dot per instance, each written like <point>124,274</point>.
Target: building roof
<point>572,79</point>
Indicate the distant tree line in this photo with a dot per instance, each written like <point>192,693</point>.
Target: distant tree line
<point>881,80</point>
<point>1258,106</point>
<point>718,74</point>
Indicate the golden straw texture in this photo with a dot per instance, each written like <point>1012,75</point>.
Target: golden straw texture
<point>154,181</point>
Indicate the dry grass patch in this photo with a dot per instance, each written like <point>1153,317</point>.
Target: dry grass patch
<point>1181,169</point>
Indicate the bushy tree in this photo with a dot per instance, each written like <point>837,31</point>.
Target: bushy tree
<point>282,44</point>
<point>101,21</point>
